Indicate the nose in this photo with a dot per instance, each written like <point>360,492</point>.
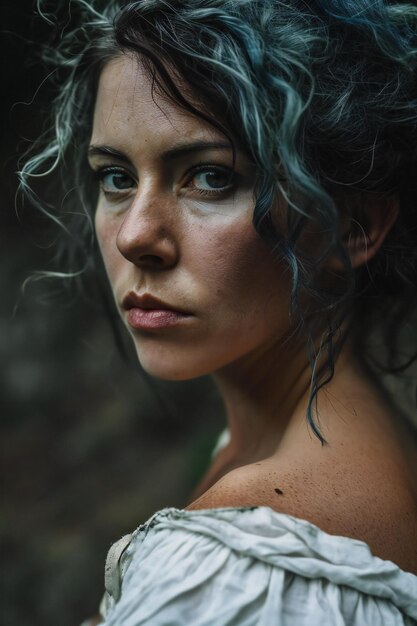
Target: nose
<point>146,235</point>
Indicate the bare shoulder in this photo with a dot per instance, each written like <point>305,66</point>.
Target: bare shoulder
<point>353,497</point>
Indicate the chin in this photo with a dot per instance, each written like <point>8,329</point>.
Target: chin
<point>172,367</point>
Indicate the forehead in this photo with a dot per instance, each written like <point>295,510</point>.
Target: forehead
<point>130,115</point>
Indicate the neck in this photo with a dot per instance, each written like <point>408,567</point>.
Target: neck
<point>263,393</point>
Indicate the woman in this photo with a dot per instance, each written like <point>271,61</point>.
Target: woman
<point>253,205</point>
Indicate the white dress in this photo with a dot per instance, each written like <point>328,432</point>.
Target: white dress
<point>250,566</point>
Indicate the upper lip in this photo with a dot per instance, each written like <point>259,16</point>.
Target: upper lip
<point>147,301</point>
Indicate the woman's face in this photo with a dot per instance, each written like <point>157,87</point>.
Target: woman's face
<point>172,226</point>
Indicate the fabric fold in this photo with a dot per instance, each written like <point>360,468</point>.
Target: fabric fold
<point>253,566</point>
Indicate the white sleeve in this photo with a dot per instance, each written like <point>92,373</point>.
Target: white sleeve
<point>183,572</point>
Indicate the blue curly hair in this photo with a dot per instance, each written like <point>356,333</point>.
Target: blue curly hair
<point>323,97</point>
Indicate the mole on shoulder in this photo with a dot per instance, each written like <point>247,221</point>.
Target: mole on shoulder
<point>278,491</point>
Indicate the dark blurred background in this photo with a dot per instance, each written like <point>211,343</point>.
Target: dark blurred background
<point>90,447</point>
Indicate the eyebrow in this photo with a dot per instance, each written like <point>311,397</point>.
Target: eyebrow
<point>168,155</point>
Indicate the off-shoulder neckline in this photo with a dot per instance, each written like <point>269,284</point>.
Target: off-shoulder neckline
<point>276,539</point>
<point>313,529</point>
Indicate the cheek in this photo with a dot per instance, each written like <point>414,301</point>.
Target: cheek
<point>243,279</point>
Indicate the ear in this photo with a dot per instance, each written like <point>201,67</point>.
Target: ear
<point>365,228</point>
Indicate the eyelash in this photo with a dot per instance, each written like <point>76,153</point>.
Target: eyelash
<point>207,168</point>
<point>99,175</point>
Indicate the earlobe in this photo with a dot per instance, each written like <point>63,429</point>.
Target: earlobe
<point>364,236</point>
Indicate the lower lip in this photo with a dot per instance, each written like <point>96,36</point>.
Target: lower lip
<point>154,318</point>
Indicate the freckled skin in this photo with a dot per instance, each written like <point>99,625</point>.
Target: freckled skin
<point>202,255</point>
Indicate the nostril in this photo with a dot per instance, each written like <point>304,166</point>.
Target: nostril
<point>152,259</point>
<point>144,243</point>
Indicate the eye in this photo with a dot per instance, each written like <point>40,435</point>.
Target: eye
<point>211,180</point>
<point>114,180</point>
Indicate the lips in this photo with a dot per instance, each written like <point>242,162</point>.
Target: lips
<point>148,302</point>
<point>146,312</point>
